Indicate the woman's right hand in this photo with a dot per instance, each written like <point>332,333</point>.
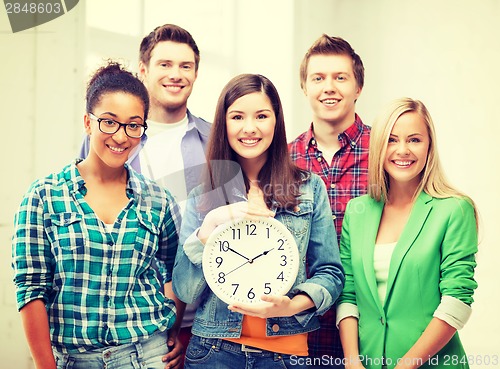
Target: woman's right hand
<point>251,209</point>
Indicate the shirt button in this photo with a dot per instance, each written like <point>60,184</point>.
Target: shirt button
<point>320,158</point>
<point>110,243</point>
<point>275,328</point>
<point>333,185</point>
<point>313,141</point>
<point>296,209</point>
<point>107,354</point>
<point>334,217</point>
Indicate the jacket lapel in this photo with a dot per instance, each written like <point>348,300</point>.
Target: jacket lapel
<point>373,215</point>
<point>418,216</point>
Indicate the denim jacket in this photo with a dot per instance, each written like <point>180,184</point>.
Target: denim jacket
<point>312,227</point>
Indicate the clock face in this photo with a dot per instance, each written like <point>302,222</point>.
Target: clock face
<point>246,259</point>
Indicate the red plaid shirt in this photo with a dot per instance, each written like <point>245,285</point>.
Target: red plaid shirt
<point>345,178</point>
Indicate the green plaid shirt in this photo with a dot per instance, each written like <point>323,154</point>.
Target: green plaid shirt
<point>99,285</point>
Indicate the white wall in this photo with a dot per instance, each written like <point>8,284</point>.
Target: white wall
<point>41,81</point>
<point>444,52</point>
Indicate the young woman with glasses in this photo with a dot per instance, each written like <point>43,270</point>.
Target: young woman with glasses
<point>86,240</point>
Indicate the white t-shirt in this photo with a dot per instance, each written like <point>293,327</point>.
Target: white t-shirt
<point>161,158</point>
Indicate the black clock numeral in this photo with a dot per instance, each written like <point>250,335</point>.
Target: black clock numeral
<point>235,285</point>
<point>268,232</point>
<point>283,263</point>
<point>222,277</point>
<point>281,242</point>
<point>251,294</point>
<point>251,228</point>
<point>236,233</point>
<point>267,288</point>
<point>224,246</point>
<point>219,261</point>
<point>280,276</point>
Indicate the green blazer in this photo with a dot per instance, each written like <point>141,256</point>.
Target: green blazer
<point>434,256</point>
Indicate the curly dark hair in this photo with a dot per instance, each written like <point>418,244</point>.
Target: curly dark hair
<point>113,77</point>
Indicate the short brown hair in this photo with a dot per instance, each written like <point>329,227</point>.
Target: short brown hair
<point>326,45</point>
<point>167,32</point>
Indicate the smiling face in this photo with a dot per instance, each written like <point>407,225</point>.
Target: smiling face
<point>407,151</point>
<point>332,90</point>
<point>113,150</point>
<point>170,75</point>
<point>250,123</point>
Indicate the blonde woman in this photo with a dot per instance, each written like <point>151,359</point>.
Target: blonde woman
<point>408,248</point>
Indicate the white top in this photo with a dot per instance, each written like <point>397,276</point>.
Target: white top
<point>381,262</point>
<point>451,310</point>
<point>161,158</point>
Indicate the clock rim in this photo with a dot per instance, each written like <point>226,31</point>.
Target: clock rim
<point>223,227</point>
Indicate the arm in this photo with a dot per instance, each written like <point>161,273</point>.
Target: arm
<point>316,294</point>
<point>32,262</point>
<point>167,250</point>
<point>36,328</point>
<point>348,329</point>
<point>325,272</point>
<point>436,335</point>
<point>175,347</point>
<point>458,250</point>
<point>346,317</point>
<point>188,280</point>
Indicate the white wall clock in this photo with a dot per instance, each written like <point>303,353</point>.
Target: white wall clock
<point>246,259</point>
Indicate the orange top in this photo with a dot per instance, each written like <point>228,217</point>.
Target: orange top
<point>253,333</point>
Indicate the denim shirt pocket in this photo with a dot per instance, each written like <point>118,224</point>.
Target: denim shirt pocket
<point>298,219</point>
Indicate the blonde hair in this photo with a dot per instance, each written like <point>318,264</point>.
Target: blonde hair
<point>433,180</point>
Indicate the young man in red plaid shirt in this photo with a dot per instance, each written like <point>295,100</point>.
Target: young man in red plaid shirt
<point>336,148</point>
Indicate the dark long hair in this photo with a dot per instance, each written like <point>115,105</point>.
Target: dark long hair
<point>279,178</point>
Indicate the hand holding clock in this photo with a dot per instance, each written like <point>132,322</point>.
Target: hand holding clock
<point>279,306</point>
<point>250,209</point>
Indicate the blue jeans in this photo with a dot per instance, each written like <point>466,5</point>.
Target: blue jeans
<point>145,354</point>
<point>220,354</point>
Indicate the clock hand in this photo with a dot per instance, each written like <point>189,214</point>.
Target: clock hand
<point>238,267</point>
<point>249,261</point>
<point>258,256</point>
<point>236,252</point>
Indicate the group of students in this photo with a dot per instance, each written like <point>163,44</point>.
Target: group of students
<point>107,253</point>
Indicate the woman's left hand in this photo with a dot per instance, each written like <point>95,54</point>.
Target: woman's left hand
<point>275,306</point>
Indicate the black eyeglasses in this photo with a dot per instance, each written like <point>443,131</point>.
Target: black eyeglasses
<point>111,126</point>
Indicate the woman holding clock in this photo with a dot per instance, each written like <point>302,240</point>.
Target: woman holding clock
<point>250,180</point>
